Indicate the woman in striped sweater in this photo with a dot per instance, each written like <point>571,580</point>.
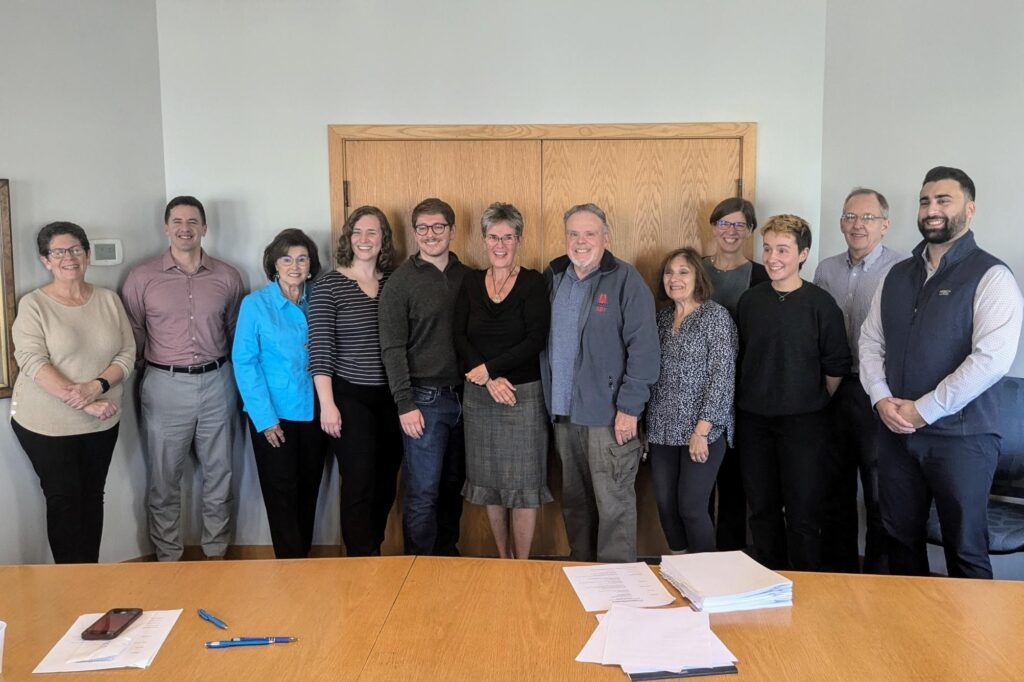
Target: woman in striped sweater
<point>356,408</point>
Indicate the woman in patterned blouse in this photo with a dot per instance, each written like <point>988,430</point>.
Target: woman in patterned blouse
<point>690,414</point>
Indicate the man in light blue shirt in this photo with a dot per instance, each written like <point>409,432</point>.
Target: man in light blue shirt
<point>852,278</point>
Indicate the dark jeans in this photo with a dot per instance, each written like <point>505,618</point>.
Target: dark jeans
<point>434,471</point>
<point>290,480</point>
<point>957,472</point>
<point>682,488</point>
<point>72,471</point>
<point>369,453</point>
<point>852,448</point>
<point>783,477</point>
<point>731,521</point>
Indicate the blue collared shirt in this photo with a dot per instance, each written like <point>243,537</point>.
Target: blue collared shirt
<point>564,340</point>
<point>853,286</point>
<point>271,357</point>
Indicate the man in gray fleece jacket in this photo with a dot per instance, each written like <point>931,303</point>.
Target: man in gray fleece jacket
<point>603,355</point>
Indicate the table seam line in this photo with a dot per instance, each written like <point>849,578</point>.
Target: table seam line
<point>387,617</point>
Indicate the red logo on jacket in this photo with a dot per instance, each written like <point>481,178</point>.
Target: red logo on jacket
<point>602,301</point>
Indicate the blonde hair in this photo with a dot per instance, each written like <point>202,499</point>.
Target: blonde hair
<point>787,223</point>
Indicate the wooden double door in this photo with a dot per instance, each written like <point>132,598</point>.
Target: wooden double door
<point>656,182</point>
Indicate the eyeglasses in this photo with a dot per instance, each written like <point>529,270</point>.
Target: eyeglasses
<point>724,225</point>
<point>288,260</point>
<point>505,239</point>
<point>57,254</point>
<point>867,218</point>
<point>436,228</point>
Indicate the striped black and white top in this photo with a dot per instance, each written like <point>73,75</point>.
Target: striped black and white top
<point>344,338</point>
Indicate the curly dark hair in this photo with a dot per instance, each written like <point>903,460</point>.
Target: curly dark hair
<point>285,240</point>
<point>386,257</point>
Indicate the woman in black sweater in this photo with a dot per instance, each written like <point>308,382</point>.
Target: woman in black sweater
<point>793,354</point>
<point>501,324</point>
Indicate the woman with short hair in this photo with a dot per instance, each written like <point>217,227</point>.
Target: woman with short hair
<point>74,347</point>
<point>793,354</point>
<point>502,315</point>
<point>271,360</point>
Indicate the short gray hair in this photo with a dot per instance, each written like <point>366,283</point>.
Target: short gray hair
<point>858,191</point>
<point>501,213</point>
<point>593,209</point>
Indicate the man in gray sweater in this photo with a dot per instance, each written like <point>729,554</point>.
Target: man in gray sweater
<point>418,350</point>
<point>603,355</point>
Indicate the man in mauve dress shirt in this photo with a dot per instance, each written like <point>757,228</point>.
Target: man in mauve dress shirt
<point>182,306</point>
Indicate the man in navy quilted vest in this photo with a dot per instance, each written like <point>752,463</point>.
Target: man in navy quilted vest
<point>942,330</point>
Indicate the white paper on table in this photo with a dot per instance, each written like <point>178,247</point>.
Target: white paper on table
<point>593,650</point>
<point>598,587</point>
<point>144,638</point>
<point>662,639</point>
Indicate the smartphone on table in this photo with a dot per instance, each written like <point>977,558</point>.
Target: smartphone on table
<point>111,624</point>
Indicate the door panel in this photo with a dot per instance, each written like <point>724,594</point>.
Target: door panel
<point>469,175</point>
<point>657,194</point>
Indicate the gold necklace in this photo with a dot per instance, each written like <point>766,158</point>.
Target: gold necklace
<point>497,290</point>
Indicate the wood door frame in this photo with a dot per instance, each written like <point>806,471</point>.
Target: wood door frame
<point>339,134</point>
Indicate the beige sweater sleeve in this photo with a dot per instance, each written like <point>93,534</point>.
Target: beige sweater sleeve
<point>80,342</point>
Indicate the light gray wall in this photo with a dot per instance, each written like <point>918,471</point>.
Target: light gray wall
<point>912,85</point>
<point>80,140</point>
<point>249,88</point>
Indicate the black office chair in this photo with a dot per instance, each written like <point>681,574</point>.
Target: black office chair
<point>1005,518</point>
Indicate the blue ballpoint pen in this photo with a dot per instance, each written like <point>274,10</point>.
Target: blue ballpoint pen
<point>206,615</point>
<point>250,641</point>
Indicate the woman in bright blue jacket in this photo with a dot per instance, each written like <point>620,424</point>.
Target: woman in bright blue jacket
<point>271,361</point>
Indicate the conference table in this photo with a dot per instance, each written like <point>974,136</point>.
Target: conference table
<point>431,618</point>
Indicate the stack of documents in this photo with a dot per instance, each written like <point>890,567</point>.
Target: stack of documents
<point>657,644</point>
<point>726,581</point>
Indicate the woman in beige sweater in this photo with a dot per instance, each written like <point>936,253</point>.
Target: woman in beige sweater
<point>74,347</point>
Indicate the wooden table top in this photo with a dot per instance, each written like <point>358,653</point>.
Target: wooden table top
<point>433,618</point>
<point>335,610</point>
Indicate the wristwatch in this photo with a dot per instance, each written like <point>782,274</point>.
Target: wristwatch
<point>104,384</point>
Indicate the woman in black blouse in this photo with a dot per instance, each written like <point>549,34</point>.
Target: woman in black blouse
<point>501,325</point>
<point>690,413</point>
<point>356,409</point>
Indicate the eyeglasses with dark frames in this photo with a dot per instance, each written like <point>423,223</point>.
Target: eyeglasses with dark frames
<point>436,228</point>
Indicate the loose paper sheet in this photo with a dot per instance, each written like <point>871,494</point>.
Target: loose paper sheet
<point>598,587</point>
<point>136,647</point>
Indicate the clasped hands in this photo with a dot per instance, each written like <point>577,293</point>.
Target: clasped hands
<point>900,415</point>
<point>501,389</point>
<point>84,397</point>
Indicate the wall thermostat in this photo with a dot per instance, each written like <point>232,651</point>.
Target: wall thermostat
<point>106,252</point>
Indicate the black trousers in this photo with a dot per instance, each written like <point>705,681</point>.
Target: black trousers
<point>72,471</point>
<point>682,488</point>
<point>731,520</point>
<point>852,448</point>
<point>290,478</point>
<point>369,453</point>
<point>784,479</point>
<point>957,472</point>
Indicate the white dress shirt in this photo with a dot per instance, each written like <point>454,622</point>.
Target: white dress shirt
<point>998,311</point>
